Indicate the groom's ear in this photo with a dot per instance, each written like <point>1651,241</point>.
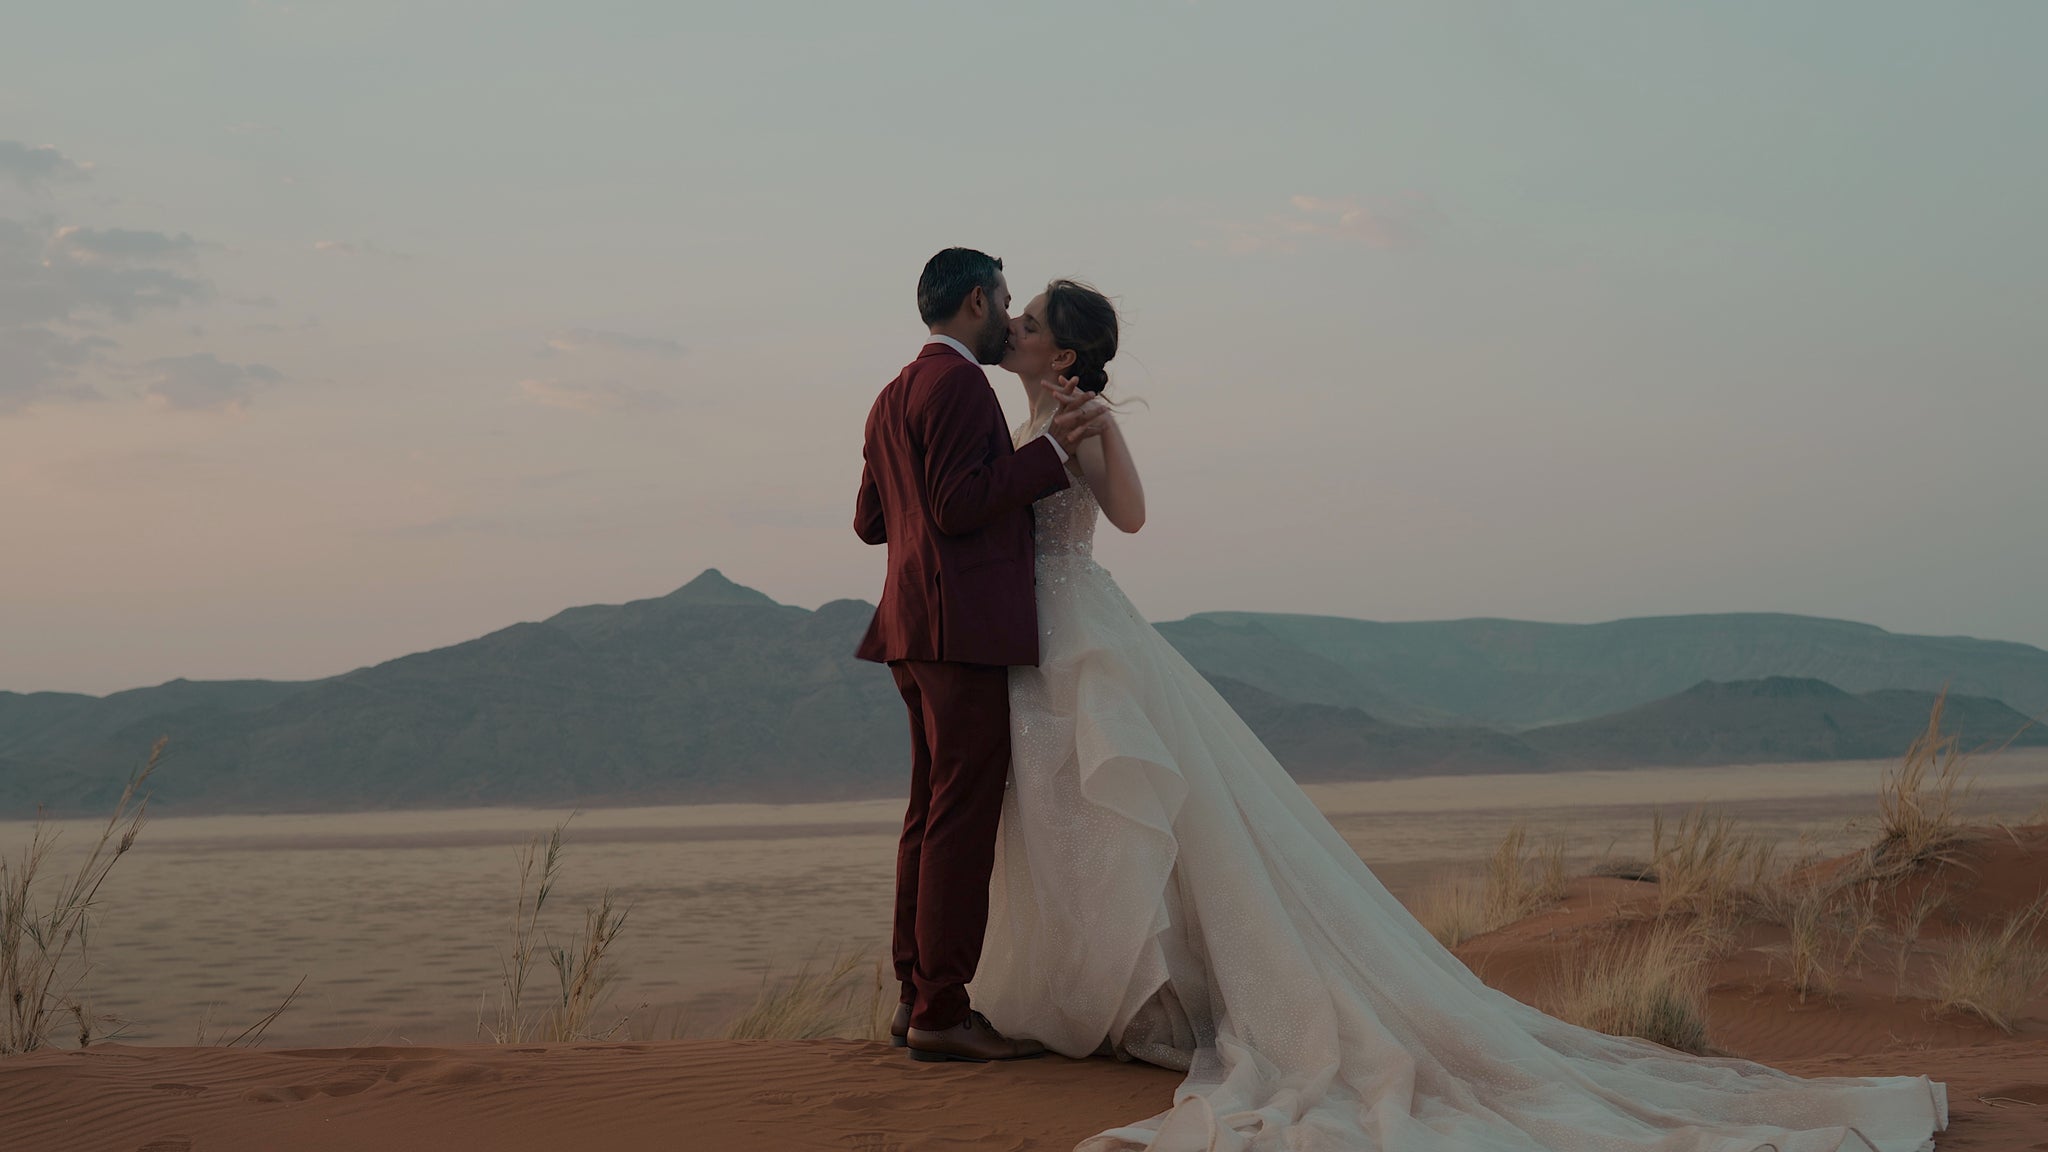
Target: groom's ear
<point>976,303</point>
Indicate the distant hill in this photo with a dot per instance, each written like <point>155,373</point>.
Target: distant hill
<point>1324,742</point>
<point>1780,718</point>
<point>1512,674</point>
<point>716,692</point>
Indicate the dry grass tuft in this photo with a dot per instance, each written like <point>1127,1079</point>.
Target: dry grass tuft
<point>44,954</point>
<point>1649,978</point>
<point>1650,984</point>
<point>1703,866</point>
<point>1828,922</point>
<point>1520,879</point>
<point>1995,973</point>
<point>583,971</point>
<point>1919,804</point>
<point>813,1004</point>
<point>1454,911</point>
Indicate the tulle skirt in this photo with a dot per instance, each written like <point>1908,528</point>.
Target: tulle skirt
<point>1164,891</point>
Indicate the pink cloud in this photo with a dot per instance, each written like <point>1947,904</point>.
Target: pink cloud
<point>1346,219</point>
<point>593,396</point>
<point>1332,220</point>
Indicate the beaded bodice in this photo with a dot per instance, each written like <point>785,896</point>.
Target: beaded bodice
<point>1063,524</point>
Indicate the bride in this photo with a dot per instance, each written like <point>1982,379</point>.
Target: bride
<point>1164,892</point>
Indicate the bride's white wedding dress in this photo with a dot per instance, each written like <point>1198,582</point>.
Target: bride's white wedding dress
<point>1164,890</point>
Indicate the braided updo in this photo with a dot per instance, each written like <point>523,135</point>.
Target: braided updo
<point>1083,322</point>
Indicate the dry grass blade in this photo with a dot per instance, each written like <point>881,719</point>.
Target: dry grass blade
<point>1507,879</point>
<point>1649,984</point>
<point>1549,862</point>
<point>666,1022</point>
<point>537,870</point>
<point>44,953</point>
<point>92,1026</point>
<point>1806,928</point>
<point>583,974</point>
<point>882,1002</point>
<point>1996,973</point>
<point>253,1034</point>
<point>1932,898</point>
<point>814,1004</point>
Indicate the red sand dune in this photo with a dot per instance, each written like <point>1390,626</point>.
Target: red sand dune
<point>774,1096</point>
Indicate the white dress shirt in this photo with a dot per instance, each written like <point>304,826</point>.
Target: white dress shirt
<point>955,345</point>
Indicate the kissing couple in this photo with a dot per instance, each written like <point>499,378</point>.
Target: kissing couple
<point>1100,859</point>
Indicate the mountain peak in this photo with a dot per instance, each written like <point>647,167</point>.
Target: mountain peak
<point>711,587</point>
<point>1768,688</point>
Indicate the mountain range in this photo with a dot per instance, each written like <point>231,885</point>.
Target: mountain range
<point>716,693</point>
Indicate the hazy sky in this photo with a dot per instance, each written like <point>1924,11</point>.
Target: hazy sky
<point>335,331</point>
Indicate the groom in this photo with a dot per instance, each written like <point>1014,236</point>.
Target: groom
<point>943,488</point>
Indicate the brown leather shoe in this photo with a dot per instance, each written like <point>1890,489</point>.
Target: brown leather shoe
<point>973,1040</point>
<point>900,1027</point>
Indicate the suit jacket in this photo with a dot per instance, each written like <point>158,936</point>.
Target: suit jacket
<point>943,488</point>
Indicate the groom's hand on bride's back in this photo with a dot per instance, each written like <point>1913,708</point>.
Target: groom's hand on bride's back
<point>1081,414</point>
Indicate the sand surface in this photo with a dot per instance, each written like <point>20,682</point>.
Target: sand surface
<point>358,888</point>
<point>397,920</point>
<point>682,1096</point>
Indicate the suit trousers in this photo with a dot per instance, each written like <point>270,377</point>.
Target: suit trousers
<point>959,768</point>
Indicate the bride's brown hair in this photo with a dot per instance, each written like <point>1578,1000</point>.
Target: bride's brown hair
<point>1083,321</point>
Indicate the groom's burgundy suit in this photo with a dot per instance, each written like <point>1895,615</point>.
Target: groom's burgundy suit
<point>943,488</point>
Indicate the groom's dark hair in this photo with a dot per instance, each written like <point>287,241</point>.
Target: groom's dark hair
<point>949,277</point>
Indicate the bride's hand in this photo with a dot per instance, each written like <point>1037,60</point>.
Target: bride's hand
<point>1081,414</point>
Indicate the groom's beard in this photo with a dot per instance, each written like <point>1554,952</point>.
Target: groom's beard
<point>994,342</point>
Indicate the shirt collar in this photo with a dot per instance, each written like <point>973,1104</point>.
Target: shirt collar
<point>955,345</point>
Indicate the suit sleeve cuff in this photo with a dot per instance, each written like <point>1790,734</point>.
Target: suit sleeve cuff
<point>1055,446</point>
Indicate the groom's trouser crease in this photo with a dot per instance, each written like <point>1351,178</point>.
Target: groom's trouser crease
<point>960,762</point>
